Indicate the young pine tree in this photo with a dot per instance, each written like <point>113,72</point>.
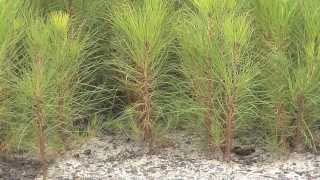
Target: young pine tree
<point>306,86</point>
<point>142,38</point>
<point>199,51</point>
<point>289,37</point>
<point>273,28</point>
<point>49,93</point>
<point>238,74</point>
<point>215,60</point>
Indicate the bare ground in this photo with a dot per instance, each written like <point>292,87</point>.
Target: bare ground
<point>117,157</point>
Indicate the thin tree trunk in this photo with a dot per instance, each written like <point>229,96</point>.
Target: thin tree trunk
<point>298,139</point>
<point>230,126</point>
<point>209,115</point>
<point>282,125</point>
<point>231,104</point>
<point>40,121</point>
<point>145,102</point>
<point>39,114</point>
<point>147,111</point>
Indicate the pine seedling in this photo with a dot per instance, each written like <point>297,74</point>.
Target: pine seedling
<point>236,73</point>
<point>198,37</point>
<point>49,98</point>
<point>274,23</point>
<point>305,88</point>
<point>143,35</point>
<point>291,69</point>
<point>216,62</point>
<point>33,88</point>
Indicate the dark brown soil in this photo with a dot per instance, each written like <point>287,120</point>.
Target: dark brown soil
<point>18,168</point>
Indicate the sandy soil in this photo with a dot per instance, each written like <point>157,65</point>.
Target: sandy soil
<point>116,157</point>
<point>18,168</point>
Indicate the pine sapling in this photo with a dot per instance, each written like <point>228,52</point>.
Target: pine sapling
<point>142,38</point>
<point>39,114</point>
<point>198,35</point>
<point>238,73</point>
<point>274,24</point>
